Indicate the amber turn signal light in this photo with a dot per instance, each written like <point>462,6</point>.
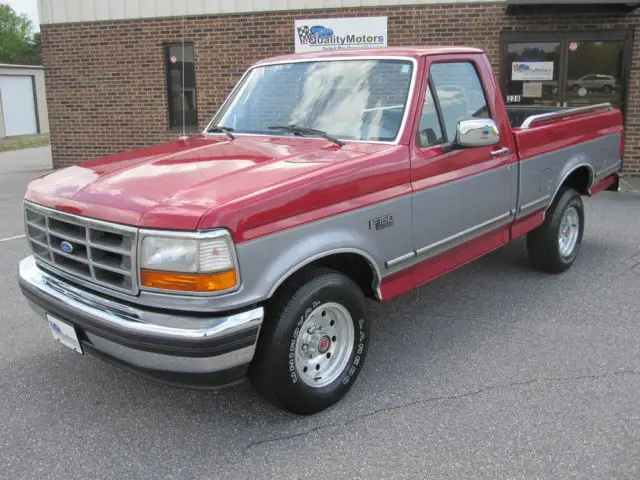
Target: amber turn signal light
<point>189,282</point>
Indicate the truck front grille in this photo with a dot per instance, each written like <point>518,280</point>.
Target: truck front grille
<point>98,252</point>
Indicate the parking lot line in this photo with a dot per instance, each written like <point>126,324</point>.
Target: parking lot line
<point>11,238</point>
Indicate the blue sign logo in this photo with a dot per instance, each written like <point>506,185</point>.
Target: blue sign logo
<point>320,31</point>
<point>66,246</point>
<point>521,67</point>
<point>56,328</point>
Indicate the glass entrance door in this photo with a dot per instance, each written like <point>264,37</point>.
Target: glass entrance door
<point>552,69</point>
<point>594,73</point>
<point>534,73</point>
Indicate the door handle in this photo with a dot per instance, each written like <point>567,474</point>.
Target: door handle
<point>501,152</point>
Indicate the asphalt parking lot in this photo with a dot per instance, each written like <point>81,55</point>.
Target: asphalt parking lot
<point>494,371</point>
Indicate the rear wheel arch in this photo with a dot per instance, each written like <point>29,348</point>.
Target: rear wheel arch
<point>580,178</point>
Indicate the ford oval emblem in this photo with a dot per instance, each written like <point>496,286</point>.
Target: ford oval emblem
<point>66,246</point>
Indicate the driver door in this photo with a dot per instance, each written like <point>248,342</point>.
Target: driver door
<point>459,194</point>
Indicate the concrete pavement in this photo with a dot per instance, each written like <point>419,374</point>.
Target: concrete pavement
<point>494,371</point>
<point>27,160</point>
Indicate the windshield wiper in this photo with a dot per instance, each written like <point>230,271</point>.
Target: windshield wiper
<point>226,130</point>
<point>306,131</point>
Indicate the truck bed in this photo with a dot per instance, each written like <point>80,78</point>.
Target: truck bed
<point>553,144</point>
<point>548,129</point>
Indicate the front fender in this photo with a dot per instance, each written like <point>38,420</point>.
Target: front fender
<point>265,263</point>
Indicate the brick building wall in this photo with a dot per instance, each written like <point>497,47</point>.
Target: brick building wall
<point>106,81</point>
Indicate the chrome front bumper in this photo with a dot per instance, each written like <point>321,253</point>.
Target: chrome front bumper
<point>171,346</point>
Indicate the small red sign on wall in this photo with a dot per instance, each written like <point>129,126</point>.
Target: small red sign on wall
<point>573,46</point>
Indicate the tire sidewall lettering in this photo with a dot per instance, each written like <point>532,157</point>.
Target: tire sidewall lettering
<point>293,375</point>
<point>359,350</point>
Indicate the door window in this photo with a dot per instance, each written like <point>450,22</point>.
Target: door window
<point>429,130</point>
<point>459,93</point>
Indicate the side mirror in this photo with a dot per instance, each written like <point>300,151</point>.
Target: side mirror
<point>477,133</point>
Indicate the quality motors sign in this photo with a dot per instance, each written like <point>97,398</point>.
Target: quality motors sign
<point>340,33</point>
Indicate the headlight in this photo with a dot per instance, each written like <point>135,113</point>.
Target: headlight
<point>192,262</point>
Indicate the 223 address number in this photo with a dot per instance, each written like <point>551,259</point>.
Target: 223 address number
<point>514,98</point>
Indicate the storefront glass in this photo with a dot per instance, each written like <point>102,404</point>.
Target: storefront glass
<point>565,69</point>
<point>594,73</point>
<point>527,86</point>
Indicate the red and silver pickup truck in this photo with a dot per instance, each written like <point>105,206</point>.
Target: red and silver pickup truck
<point>324,180</point>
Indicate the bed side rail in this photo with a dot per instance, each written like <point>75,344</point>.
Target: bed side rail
<point>533,120</point>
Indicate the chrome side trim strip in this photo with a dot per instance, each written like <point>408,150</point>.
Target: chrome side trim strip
<point>608,170</point>
<point>425,249</point>
<point>400,259</point>
<point>527,206</point>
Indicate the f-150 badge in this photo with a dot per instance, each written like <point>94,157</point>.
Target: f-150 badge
<point>379,223</point>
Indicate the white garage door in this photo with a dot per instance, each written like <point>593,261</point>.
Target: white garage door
<point>18,105</point>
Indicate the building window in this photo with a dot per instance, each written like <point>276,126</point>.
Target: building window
<point>565,69</point>
<point>181,87</point>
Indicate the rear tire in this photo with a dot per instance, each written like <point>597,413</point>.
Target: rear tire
<point>313,342</point>
<point>554,245</point>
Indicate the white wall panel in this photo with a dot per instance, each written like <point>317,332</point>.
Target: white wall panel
<point>194,7</point>
<point>100,9</point>
<point>88,10</point>
<point>63,11</point>
<point>117,8</point>
<point>278,5</point>
<point>73,10</point>
<point>162,8</point>
<point>132,9</point>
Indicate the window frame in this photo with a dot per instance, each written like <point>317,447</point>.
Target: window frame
<point>436,99</point>
<point>168,88</point>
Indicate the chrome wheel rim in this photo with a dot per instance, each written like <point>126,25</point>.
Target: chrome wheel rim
<point>324,345</point>
<point>569,231</point>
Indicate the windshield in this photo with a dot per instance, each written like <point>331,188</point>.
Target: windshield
<point>347,99</point>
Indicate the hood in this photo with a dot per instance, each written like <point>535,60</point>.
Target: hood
<point>172,185</point>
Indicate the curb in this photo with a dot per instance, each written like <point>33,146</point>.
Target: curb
<point>627,187</point>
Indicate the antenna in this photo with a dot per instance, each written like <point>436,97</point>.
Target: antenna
<point>184,109</point>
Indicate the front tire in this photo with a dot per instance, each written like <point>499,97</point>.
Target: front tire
<point>313,343</point>
<point>554,245</point>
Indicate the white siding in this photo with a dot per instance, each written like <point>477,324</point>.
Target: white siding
<point>63,11</point>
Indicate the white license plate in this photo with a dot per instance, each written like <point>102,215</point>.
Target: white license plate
<point>64,333</point>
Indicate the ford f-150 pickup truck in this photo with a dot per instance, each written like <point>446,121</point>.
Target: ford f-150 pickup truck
<point>324,180</point>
